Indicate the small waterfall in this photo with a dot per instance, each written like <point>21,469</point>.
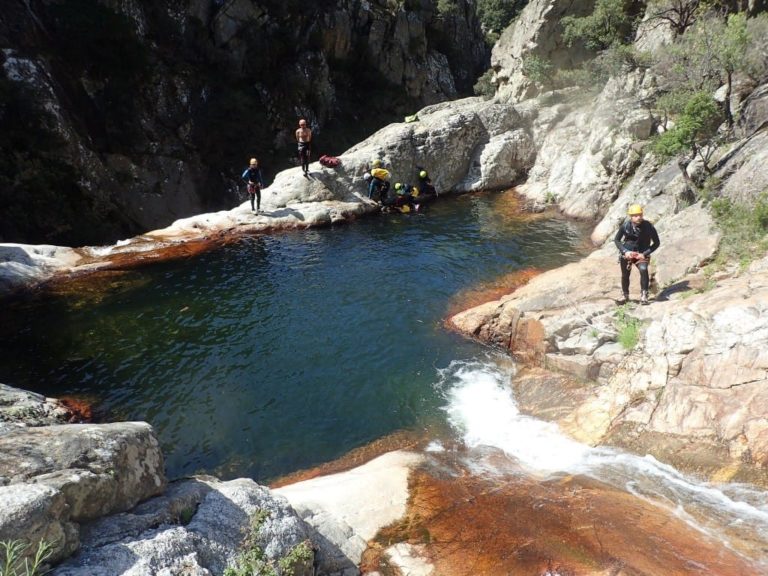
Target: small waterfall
<point>482,410</point>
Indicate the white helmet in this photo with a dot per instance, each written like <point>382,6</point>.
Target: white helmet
<point>367,176</point>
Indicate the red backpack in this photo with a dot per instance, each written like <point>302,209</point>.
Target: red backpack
<point>329,161</point>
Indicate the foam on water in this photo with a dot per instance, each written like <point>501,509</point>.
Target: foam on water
<point>481,408</point>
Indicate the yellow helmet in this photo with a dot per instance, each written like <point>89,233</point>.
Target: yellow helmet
<point>634,210</point>
<point>376,163</point>
<point>254,161</point>
<point>423,174</point>
<point>398,186</point>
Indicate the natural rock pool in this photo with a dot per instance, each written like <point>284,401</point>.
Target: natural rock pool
<point>281,352</point>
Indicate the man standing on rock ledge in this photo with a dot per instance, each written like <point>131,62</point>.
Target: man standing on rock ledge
<point>304,139</point>
<point>636,239</point>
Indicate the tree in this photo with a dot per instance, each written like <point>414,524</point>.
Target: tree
<point>679,15</point>
<point>692,135</point>
<point>608,24</point>
<point>707,56</point>
<point>496,15</point>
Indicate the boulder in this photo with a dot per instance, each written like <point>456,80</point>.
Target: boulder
<point>688,239</point>
<point>199,526</point>
<point>62,474</point>
<point>29,409</point>
<point>37,513</point>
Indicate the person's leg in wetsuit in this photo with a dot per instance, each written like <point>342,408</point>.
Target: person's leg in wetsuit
<point>304,156</point>
<point>645,281</point>
<point>626,269</point>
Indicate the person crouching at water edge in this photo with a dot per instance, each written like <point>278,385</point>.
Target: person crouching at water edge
<point>304,140</point>
<point>636,239</point>
<point>255,183</point>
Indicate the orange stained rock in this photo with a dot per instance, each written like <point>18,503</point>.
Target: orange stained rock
<point>576,526</point>
<point>491,290</point>
<point>80,408</point>
<point>401,440</point>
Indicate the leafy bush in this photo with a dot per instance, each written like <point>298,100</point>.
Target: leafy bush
<point>484,85</point>
<point>446,7</point>
<point>608,24</point>
<point>698,123</point>
<point>628,329</point>
<point>13,561</point>
<point>496,15</point>
<point>253,561</point>
<point>538,70</point>
<point>744,229</point>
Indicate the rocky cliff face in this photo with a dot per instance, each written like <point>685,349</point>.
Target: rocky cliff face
<point>121,116</point>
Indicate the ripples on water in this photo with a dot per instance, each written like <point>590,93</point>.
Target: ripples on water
<point>282,351</point>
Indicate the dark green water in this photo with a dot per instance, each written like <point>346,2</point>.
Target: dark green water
<point>283,351</point>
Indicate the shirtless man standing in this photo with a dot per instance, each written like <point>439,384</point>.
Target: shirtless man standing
<point>304,138</point>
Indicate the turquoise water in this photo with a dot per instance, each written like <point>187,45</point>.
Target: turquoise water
<point>282,352</point>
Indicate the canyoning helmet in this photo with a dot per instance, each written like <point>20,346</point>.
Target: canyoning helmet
<point>423,174</point>
<point>399,188</point>
<point>376,163</point>
<point>367,176</point>
<point>634,210</point>
<point>254,162</point>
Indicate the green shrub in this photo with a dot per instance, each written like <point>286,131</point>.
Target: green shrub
<point>744,230</point>
<point>13,561</point>
<point>484,85</point>
<point>496,15</point>
<point>696,126</point>
<point>608,24</point>
<point>446,7</point>
<point>253,561</point>
<point>538,70</point>
<point>628,328</point>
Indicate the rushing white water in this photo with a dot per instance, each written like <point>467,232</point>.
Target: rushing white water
<point>481,408</point>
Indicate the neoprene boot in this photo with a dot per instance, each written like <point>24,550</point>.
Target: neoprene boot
<point>624,298</point>
<point>644,297</point>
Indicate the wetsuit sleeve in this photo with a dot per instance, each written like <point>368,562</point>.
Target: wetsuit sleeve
<point>618,239</point>
<point>245,175</point>
<point>655,243</point>
<point>261,179</point>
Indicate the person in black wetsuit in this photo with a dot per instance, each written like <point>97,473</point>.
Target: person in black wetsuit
<point>636,239</point>
<point>252,176</point>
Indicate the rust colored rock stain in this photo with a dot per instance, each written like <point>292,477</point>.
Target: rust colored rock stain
<point>490,291</point>
<point>573,525</point>
<point>80,409</point>
<point>402,440</point>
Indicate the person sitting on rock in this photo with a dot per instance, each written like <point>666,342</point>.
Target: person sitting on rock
<point>379,184</point>
<point>255,183</point>
<point>636,240</point>
<point>403,200</point>
<point>426,191</point>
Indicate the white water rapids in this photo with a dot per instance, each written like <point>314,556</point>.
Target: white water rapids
<point>482,410</point>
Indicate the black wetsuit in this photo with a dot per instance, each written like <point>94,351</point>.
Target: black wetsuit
<point>642,238</point>
<point>255,183</point>
<point>304,150</point>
